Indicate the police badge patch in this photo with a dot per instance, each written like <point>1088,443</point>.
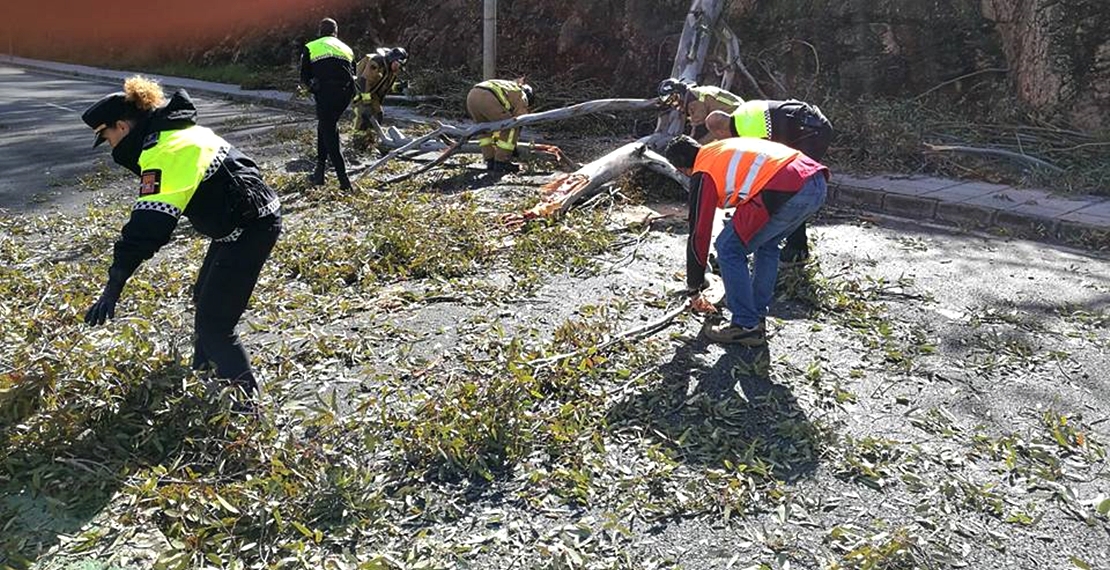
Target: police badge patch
<point>151,140</point>
<point>150,182</point>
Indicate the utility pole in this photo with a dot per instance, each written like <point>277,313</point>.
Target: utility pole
<point>489,40</point>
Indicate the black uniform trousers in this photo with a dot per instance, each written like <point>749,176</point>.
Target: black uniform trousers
<point>223,288</point>
<point>807,130</point>
<point>331,101</point>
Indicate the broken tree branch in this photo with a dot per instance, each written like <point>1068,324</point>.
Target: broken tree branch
<point>638,332</point>
<point>994,152</point>
<point>568,189</point>
<point>960,78</point>
<point>732,45</point>
<point>462,134</point>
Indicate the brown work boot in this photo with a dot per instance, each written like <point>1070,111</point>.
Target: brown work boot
<point>728,333</point>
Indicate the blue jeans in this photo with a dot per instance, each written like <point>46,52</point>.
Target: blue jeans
<point>749,295</point>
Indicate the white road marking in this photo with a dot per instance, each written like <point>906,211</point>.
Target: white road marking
<point>61,107</point>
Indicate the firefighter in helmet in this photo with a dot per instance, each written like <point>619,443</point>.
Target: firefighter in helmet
<point>696,102</point>
<point>375,77</point>
<point>497,100</point>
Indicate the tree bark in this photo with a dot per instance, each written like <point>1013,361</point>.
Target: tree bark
<point>460,135</point>
<point>693,46</point>
<point>690,56</point>
<point>569,189</point>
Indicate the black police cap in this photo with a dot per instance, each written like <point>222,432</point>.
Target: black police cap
<point>105,113</point>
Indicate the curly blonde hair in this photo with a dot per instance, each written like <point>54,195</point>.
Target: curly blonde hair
<point>144,93</point>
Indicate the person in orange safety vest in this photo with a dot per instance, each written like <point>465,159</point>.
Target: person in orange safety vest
<point>774,189</point>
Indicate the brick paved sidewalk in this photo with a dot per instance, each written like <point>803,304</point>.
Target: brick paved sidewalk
<point>978,205</point>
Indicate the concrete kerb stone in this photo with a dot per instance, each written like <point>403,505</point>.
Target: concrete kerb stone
<point>1023,223</point>
<point>976,205</point>
<point>1094,214</point>
<point>1094,236</point>
<point>267,98</point>
<point>855,196</point>
<point>914,207</point>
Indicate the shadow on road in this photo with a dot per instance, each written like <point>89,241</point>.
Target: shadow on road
<point>762,426</point>
<point>53,484</point>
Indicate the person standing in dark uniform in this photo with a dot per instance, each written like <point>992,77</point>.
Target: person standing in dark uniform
<point>327,68</point>
<point>186,169</point>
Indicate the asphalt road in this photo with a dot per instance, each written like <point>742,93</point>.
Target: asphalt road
<point>45,147</point>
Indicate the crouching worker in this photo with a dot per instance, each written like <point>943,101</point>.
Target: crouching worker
<point>497,100</point>
<point>774,188</point>
<point>793,123</point>
<point>186,169</point>
<point>375,77</point>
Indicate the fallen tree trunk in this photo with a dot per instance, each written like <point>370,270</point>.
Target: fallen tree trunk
<point>461,135</point>
<point>701,19</point>
<point>569,189</point>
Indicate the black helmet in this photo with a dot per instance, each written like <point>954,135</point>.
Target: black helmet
<point>529,94</point>
<point>672,86</point>
<point>397,54</point>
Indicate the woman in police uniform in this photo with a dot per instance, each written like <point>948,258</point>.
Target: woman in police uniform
<point>186,169</point>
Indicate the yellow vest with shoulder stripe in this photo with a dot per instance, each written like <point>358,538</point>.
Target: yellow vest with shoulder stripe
<point>176,164</point>
<point>500,87</point>
<point>329,46</point>
<point>721,95</point>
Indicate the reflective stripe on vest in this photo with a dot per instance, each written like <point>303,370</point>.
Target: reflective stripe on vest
<point>329,46</point>
<point>183,159</point>
<point>499,87</point>
<point>741,167</point>
<point>753,119</point>
<point>722,96</point>
<point>387,76</point>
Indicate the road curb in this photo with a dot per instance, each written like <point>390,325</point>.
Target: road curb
<point>968,215</point>
<point>192,86</point>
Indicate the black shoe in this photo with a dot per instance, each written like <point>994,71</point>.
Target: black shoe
<point>793,257</point>
<point>505,167</point>
<point>344,182</point>
<point>317,177</point>
<point>714,265</point>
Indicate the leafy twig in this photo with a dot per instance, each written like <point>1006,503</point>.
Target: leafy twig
<point>643,330</point>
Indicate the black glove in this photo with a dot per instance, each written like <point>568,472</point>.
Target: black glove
<point>313,85</point>
<point>401,86</point>
<point>105,307</point>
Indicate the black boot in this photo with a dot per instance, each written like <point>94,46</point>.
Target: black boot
<point>344,182</point>
<point>317,178</point>
<point>505,167</point>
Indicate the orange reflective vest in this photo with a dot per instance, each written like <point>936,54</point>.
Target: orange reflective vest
<point>741,167</point>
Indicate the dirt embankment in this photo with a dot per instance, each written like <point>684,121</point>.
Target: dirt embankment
<point>1050,53</point>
